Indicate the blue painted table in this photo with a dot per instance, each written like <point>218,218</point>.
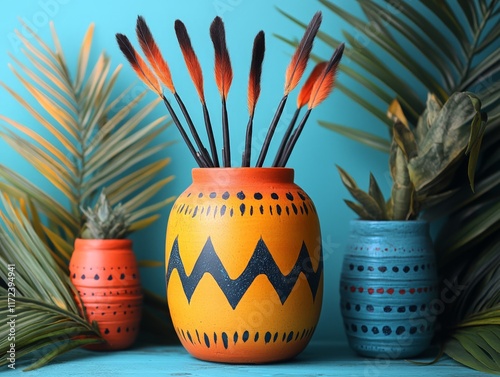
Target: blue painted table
<point>319,359</point>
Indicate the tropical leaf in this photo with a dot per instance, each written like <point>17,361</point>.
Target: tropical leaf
<point>376,193</point>
<point>402,192</point>
<point>473,315</point>
<point>371,206</point>
<point>477,347</point>
<point>367,138</point>
<point>409,22</point>
<point>100,141</point>
<point>47,317</point>
<point>475,223</point>
<point>445,142</point>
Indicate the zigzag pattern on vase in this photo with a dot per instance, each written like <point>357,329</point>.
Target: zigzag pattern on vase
<point>261,263</point>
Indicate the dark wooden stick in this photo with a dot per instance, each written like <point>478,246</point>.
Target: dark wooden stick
<point>183,133</point>
<point>225,136</point>
<point>203,160</point>
<point>270,132</point>
<point>192,128</point>
<point>211,138</point>
<point>247,154</point>
<point>293,139</point>
<point>286,137</point>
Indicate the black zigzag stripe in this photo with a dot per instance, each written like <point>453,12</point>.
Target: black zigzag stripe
<point>261,263</point>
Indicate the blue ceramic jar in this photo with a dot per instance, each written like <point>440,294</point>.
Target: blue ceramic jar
<point>389,288</point>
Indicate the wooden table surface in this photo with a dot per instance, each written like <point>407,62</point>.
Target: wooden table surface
<point>319,359</point>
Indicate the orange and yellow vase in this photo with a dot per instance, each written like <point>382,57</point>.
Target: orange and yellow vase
<point>106,275</point>
<point>244,267</point>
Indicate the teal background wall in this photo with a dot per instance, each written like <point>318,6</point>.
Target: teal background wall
<point>316,153</point>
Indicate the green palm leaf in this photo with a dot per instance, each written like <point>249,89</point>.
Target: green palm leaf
<point>476,347</point>
<point>47,317</point>
<point>376,142</point>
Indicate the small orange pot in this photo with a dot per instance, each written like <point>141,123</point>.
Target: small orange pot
<point>106,275</point>
<point>244,266</point>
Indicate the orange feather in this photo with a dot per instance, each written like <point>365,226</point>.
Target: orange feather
<point>153,54</point>
<point>325,82</point>
<point>223,70</point>
<point>192,63</point>
<point>139,66</point>
<point>305,92</point>
<point>298,64</point>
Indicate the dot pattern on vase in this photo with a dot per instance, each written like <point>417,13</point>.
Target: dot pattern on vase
<point>246,204</point>
<point>109,277</point>
<point>369,308</point>
<point>387,287</point>
<point>391,269</point>
<point>119,316</point>
<point>228,339</point>
<point>253,220</point>
<point>385,330</point>
<point>383,249</point>
<point>389,291</point>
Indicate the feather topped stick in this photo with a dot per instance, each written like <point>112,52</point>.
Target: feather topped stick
<point>194,69</point>
<point>138,64</point>
<point>160,66</point>
<point>223,79</point>
<point>259,47</point>
<point>293,74</point>
<point>149,78</point>
<point>302,100</point>
<point>321,89</point>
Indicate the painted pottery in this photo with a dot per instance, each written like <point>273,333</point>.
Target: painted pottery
<point>388,288</point>
<point>244,266</point>
<point>106,275</point>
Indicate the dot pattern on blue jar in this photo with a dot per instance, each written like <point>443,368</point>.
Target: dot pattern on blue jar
<point>391,269</point>
<point>383,309</point>
<point>374,290</point>
<point>386,330</point>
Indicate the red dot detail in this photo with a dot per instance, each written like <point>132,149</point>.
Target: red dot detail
<point>402,291</point>
<point>353,289</point>
<point>390,291</point>
<point>380,290</point>
<point>412,290</point>
<point>419,290</point>
<point>360,289</point>
<point>371,290</point>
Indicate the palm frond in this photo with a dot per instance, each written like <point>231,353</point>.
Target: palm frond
<point>476,347</point>
<point>100,141</point>
<point>390,22</point>
<point>376,142</point>
<point>48,321</point>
